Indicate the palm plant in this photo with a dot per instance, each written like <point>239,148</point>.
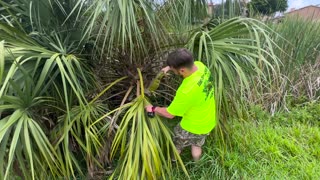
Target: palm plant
<point>50,56</point>
<point>81,60</point>
<point>145,143</point>
<point>23,134</point>
<point>234,53</point>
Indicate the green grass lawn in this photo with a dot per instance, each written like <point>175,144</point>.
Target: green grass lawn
<point>286,146</point>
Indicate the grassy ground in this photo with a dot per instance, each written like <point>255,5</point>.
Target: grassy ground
<point>285,146</point>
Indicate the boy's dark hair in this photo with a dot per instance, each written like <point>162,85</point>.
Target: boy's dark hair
<point>180,58</point>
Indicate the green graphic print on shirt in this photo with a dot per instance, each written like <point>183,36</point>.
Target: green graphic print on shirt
<point>206,81</point>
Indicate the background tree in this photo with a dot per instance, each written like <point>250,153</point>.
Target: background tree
<point>268,7</point>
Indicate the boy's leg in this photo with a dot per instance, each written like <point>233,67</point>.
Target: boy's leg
<point>178,140</point>
<point>196,152</point>
<point>196,143</point>
<point>184,138</point>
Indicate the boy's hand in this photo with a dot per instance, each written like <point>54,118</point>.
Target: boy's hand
<point>166,69</point>
<point>148,108</point>
<point>150,112</point>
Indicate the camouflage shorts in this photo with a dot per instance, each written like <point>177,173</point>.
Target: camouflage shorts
<point>183,138</point>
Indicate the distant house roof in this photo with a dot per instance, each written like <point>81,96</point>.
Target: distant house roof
<point>294,10</point>
<point>308,12</point>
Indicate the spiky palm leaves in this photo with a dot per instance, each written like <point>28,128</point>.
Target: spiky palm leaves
<point>44,96</point>
<point>234,53</point>
<point>145,143</point>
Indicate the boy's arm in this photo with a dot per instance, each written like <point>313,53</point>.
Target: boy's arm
<point>162,111</point>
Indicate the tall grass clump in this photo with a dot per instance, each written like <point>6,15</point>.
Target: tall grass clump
<point>299,52</point>
<point>303,48</point>
<point>285,146</point>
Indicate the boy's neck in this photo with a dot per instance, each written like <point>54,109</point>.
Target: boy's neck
<point>190,72</point>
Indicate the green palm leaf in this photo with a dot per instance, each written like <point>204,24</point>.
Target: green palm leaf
<point>26,132</point>
<point>2,62</point>
<point>145,144</point>
<point>234,52</point>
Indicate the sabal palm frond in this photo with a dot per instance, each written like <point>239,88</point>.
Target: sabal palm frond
<point>138,27</point>
<point>60,75</point>
<point>145,143</point>
<point>234,52</point>
<point>87,127</point>
<point>23,135</point>
<point>2,62</point>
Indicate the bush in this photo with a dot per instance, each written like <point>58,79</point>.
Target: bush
<point>298,42</point>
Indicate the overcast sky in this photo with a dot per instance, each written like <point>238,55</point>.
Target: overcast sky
<point>301,3</point>
<point>292,3</point>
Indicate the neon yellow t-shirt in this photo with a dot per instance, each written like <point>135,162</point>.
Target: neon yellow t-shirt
<point>194,101</point>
